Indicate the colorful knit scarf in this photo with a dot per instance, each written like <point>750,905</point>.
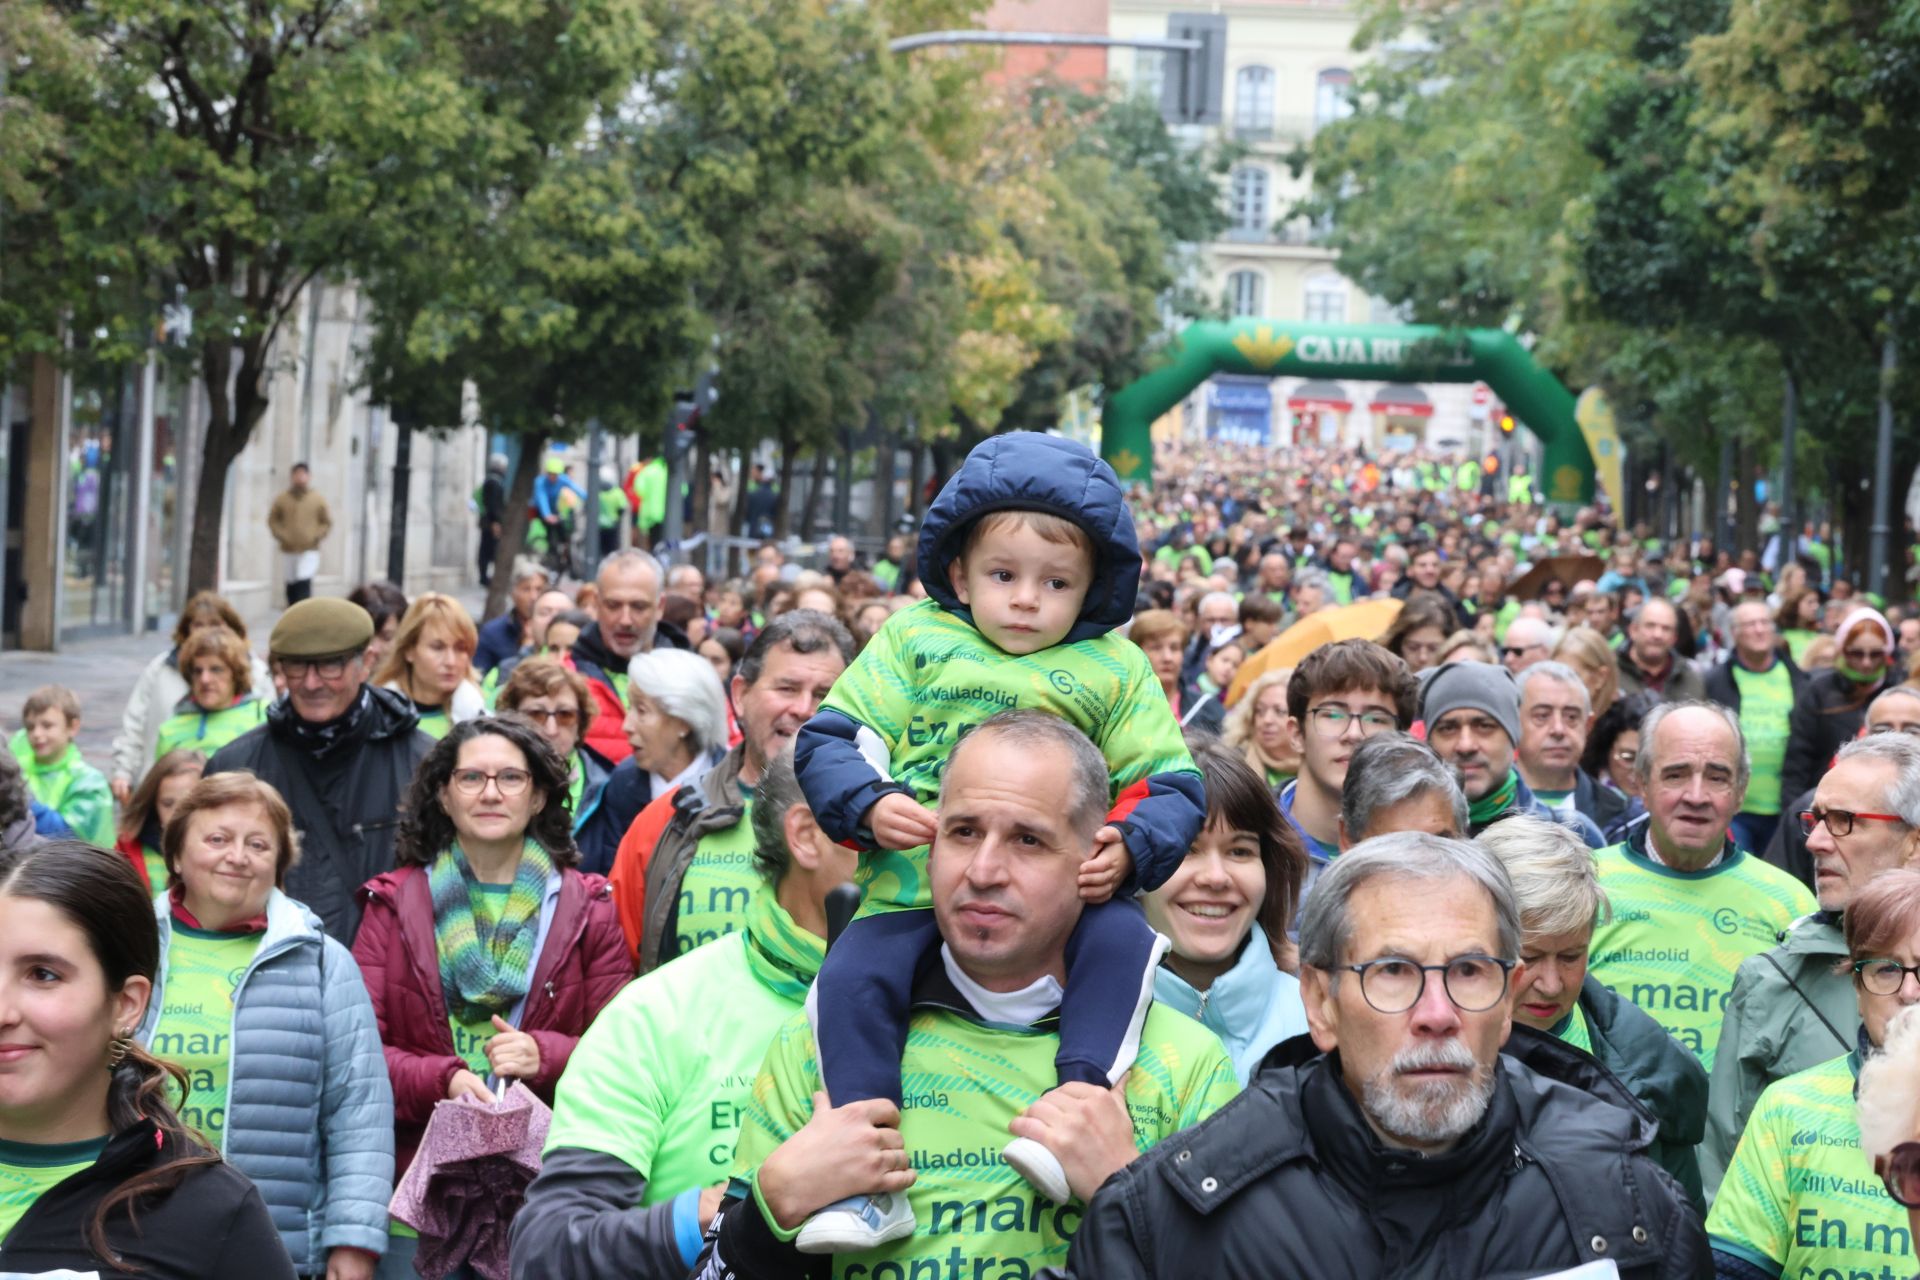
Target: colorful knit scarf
<point>781,954</point>
<point>1494,803</point>
<point>485,965</point>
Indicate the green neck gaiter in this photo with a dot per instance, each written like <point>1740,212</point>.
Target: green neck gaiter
<point>781,954</point>
<point>1495,802</point>
<point>1858,677</point>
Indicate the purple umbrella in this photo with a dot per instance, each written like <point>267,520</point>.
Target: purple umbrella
<point>468,1180</point>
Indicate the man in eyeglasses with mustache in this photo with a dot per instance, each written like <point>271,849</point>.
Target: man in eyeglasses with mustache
<point>1397,1138</point>
<point>1790,1009</point>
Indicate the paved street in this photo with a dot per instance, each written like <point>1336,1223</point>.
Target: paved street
<point>103,671</point>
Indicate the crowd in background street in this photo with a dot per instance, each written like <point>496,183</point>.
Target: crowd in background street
<point>1316,863</point>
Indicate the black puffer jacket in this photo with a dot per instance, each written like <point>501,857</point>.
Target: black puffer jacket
<point>1288,1180</point>
<point>345,795</point>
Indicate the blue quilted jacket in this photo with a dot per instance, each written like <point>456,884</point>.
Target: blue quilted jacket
<point>309,1106</point>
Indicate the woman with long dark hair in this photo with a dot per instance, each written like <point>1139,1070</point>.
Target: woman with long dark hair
<point>97,1174</point>
<point>487,953</point>
<point>145,815</point>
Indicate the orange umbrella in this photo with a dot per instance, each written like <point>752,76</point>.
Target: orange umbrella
<point>1367,620</point>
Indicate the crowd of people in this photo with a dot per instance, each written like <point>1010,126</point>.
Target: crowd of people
<point>1318,864</point>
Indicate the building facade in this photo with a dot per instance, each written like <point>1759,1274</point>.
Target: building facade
<point>99,467</point>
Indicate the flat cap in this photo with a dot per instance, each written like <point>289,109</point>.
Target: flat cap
<point>321,627</point>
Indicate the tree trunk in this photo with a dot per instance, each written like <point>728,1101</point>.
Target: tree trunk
<point>916,478</point>
<point>816,483</point>
<point>782,511</point>
<point>513,523</point>
<point>228,427</point>
<point>1746,511</point>
<point>737,516</point>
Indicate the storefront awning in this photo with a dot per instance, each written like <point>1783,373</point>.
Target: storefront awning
<point>1399,400</point>
<point>1319,396</point>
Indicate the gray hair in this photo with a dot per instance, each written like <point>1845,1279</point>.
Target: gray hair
<point>1090,796</point>
<point>681,571</point>
<point>1225,596</point>
<point>773,799</point>
<point>801,630</point>
<point>1326,925</point>
<point>687,688</point>
<point>1389,769</point>
<point>1643,763</point>
<point>527,567</point>
<point>1313,578</point>
<point>629,558</point>
<point>1564,674</point>
<point>1556,885</point>
<point>1903,753</point>
<point>1894,691</point>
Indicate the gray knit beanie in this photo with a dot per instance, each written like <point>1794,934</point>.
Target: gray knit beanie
<point>1481,686</point>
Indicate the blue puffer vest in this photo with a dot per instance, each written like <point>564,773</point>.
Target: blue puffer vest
<point>309,1106</point>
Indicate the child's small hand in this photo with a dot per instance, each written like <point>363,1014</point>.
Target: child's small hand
<point>900,822</point>
<point>1108,868</point>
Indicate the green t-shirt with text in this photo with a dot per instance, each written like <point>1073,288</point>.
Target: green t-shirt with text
<point>1766,702</point>
<point>195,1027</point>
<point>661,1077</point>
<point>1799,1198</point>
<point>1573,1029</point>
<point>962,1083</point>
<point>719,886</point>
<point>470,1035</point>
<point>1677,937</point>
<point>929,676</point>
<point>28,1170</point>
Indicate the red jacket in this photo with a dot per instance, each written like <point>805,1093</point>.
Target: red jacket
<point>582,965</point>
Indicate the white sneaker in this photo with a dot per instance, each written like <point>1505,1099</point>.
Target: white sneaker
<point>1040,1167</point>
<point>857,1224</point>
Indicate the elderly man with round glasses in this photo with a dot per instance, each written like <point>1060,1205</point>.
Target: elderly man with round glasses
<point>1791,1007</point>
<point>1397,1139</point>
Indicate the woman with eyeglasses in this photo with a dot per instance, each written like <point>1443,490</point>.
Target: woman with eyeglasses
<point>1796,1199</point>
<point>487,954</point>
<point>555,700</point>
<point>1833,704</point>
<point>1613,746</point>
<point>1259,728</point>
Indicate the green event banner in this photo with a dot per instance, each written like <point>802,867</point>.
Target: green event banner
<point>1381,353</point>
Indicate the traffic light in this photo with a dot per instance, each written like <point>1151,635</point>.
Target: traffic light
<point>1506,424</point>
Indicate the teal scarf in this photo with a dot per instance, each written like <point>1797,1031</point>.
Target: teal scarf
<point>485,965</point>
<point>780,953</point>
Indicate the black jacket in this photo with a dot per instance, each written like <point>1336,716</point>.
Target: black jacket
<point>1826,714</point>
<point>345,795</point>
<point>213,1226</point>
<point>1788,848</point>
<point>1723,689</point>
<point>1603,804</point>
<point>1657,1070</point>
<point>629,789</point>
<point>1288,1180</point>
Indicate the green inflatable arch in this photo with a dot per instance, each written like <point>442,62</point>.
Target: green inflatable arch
<point>1382,353</point>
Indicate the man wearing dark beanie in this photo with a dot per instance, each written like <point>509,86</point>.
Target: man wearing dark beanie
<point>1472,712</point>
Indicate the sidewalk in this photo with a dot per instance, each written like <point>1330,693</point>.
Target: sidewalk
<point>103,670</point>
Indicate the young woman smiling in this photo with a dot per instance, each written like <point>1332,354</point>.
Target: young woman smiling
<point>87,1134</point>
<point>1225,906</point>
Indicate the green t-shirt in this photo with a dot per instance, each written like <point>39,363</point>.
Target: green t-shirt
<point>470,1036</point>
<point>660,1079</point>
<point>70,787</point>
<point>156,865</point>
<point>29,1170</point>
<point>962,1083</point>
<point>208,731</point>
<point>1676,937</point>
<point>433,721</point>
<point>1766,703</point>
<point>1574,1030</point>
<point>719,886</point>
<point>195,1027</point>
<point>1799,1197</point>
<point>929,676</point>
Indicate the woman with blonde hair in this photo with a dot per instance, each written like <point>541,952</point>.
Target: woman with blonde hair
<point>161,686</point>
<point>1258,729</point>
<point>1587,651</point>
<point>431,663</point>
<point>1162,636</point>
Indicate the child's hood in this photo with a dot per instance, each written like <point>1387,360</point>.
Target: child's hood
<point>1025,470</point>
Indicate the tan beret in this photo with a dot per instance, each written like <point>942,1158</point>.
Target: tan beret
<point>321,627</point>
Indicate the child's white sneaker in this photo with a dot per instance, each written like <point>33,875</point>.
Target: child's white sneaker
<point>1038,1166</point>
<point>858,1223</point>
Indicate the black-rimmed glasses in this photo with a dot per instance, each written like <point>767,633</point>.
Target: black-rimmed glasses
<point>1394,984</point>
